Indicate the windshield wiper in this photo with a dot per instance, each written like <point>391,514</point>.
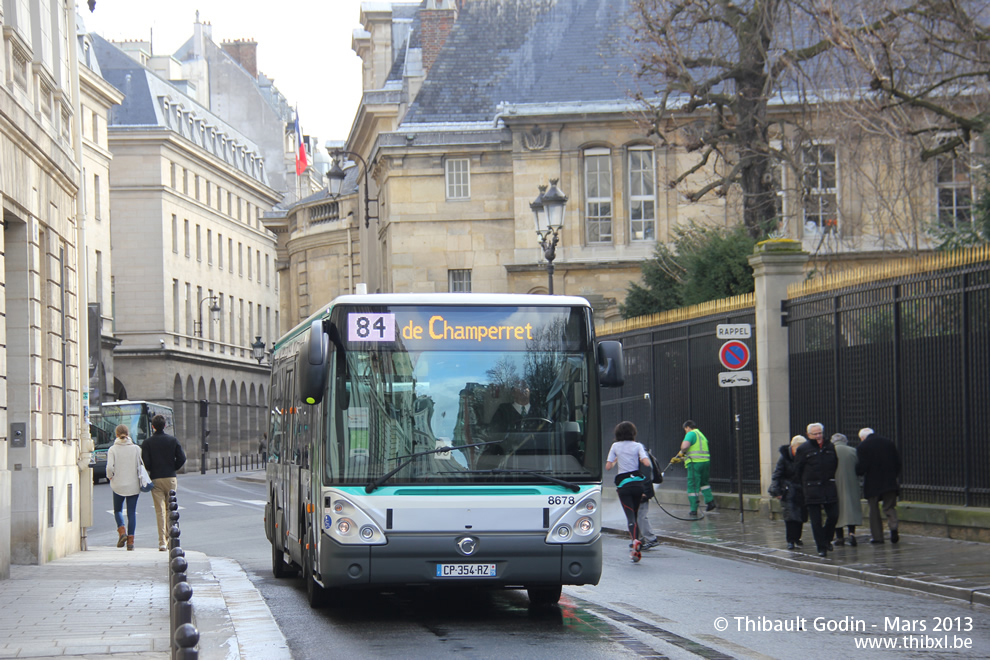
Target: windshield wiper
<point>377,483</point>
<point>554,480</point>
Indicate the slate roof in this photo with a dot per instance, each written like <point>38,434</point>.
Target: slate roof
<point>527,51</point>
<point>578,55</point>
<point>142,88</point>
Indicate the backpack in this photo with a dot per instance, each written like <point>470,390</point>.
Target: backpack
<point>655,465</point>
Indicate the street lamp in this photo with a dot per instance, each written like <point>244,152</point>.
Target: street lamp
<point>336,177</point>
<point>258,349</point>
<point>214,314</point>
<point>548,214</point>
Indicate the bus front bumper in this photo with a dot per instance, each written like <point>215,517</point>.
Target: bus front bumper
<point>412,559</point>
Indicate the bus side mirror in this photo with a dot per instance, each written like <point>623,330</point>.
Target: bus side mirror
<point>311,364</point>
<point>611,368</point>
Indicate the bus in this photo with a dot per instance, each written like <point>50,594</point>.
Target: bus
<point>135,415</point>
<point>387,469</point>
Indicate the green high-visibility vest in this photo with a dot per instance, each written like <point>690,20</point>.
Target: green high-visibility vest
<point>698,451</point>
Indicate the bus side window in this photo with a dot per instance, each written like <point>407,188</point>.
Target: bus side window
<point>275,447</point>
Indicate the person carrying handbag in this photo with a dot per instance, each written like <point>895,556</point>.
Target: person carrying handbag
<point>123,468</point>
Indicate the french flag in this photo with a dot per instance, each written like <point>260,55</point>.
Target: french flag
<point>301,162</point>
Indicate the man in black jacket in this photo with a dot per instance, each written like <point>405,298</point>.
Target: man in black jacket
<point>880,464</point>
<point>163,456</point>
<point>815,466</point>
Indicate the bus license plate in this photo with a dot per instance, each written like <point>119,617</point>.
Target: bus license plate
<point>466,570</point>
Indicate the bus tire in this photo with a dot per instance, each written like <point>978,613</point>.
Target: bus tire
<point>315,593</point>
<point>543,596</point>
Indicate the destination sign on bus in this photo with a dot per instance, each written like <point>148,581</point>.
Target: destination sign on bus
<point>487,328</point>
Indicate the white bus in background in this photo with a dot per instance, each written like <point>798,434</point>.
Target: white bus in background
<point>135,415</point>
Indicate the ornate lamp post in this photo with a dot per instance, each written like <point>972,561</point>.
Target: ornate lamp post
<point>548,214</point>
<point>336,177</point>
<point>258,349</point>
<point>214,314</point>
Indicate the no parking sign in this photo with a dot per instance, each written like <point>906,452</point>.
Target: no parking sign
<point>734,355</point>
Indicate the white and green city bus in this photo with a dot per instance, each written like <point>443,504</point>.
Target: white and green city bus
<point>387,469</point>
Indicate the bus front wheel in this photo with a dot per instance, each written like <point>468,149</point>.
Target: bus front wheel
<point>543,596</point>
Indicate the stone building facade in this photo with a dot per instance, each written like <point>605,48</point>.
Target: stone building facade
<point>96,97</point>
<point>43,343</point>
<point>187,193</point>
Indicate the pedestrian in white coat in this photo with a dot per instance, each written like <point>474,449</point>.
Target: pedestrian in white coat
<point>123,459</point>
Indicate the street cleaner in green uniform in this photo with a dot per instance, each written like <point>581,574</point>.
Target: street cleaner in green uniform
<point>694,453</point>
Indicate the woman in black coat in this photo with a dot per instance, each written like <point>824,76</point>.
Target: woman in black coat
<point>816,465</point>
<point>785,487</point>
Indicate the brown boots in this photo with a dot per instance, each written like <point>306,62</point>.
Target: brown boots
<point>122,533</point>
<point>130,542</point>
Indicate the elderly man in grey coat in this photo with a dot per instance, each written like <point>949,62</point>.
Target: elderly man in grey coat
<point>847,482</point>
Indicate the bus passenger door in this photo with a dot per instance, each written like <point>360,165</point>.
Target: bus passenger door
<point>293,456</point>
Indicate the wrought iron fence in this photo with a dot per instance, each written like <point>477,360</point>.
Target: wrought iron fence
<point>907,353</point>
<point>676,363</point>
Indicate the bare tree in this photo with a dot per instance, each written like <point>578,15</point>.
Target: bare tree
<point>713,69</point>
<point>746,86</point>
<point>931,57</point>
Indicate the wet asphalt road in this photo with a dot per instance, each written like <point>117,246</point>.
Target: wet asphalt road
<point>674,604</point>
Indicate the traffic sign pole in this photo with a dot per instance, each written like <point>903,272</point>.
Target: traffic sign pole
<point>734,355</point>
<point>739,479</point>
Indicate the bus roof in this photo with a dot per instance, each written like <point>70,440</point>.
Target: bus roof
<point>123,402</point>
<point>427,299</point>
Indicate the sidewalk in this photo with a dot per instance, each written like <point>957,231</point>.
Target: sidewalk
<point>103,603</point>
<point>941,567</point>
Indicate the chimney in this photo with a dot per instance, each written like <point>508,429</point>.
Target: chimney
<point>244,53</point>
<point>436,21</point>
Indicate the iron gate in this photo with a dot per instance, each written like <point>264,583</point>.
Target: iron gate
<point>910,358</point>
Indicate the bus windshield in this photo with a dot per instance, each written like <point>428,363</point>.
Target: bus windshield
<point>508,389</point>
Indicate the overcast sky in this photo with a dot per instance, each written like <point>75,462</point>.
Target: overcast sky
<point>303,45</point>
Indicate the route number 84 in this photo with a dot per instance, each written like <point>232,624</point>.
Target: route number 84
<point>371,327</point>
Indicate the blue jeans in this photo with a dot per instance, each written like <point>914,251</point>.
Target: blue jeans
<point>118,514</point>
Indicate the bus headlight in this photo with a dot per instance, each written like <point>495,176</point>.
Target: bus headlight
<point>347,523</point>
<point>580,523</point>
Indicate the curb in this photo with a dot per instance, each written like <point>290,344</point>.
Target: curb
<point>760,554</point>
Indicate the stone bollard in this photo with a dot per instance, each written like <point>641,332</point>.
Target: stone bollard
<point>186,637</point>
<point>181,607</point>
<point>179,565</point>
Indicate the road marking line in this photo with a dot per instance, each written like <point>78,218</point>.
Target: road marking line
<point>213,503</point>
